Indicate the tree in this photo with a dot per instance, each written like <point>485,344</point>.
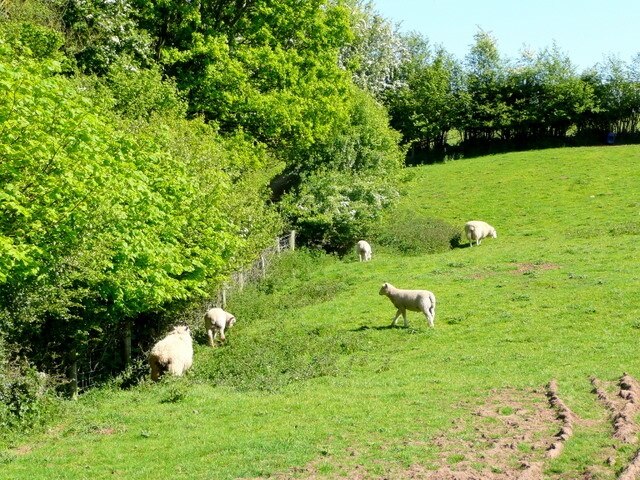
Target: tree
<point>424,104</point>
<point>105,218</point>
<point>375,53</point>
<point>616,88</point>
<point>99,33</point>
<point>350,180</point>
<point>484,111</point>
<point>563,96</point>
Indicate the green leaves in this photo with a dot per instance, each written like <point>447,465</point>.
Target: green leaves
<point>105,217</point>
<point>136,181</point>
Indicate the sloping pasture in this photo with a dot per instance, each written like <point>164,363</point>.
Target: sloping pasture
<point>314,384</point>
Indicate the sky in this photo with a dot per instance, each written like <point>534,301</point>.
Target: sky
<point>585,30</point>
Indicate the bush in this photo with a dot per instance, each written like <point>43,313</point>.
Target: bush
<point>332,210</point>
<point>411,234</point>
<point>105,218</point>
<point>26,397</point>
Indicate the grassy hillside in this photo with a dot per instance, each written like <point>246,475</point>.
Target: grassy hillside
<point>314,383</point>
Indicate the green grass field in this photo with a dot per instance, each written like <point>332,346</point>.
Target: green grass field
<point>314,384</point>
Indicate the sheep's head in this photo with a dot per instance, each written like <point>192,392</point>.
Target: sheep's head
<point>181,329</point>
<point>231,322</point>
<point>384,289</point>
<point>494,234</point>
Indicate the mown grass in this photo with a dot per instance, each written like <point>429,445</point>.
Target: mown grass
<point>312,380</point>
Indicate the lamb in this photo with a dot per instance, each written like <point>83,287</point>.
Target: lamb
<point>217,320</point>
<point>477,230</point>
<point>363,249</point>
<point>414,300</point>
<point>173,354</point>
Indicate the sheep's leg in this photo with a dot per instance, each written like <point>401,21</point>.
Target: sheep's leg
<point>222,337</point>
<point>155,371</point>
<point>210,335</point>
<point>395,319</point>
<point>404,316</point>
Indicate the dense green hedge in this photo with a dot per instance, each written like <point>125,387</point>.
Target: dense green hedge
<point>104,218</point>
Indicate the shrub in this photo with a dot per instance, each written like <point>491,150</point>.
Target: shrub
<point>332,210</point>
<point>26,396</point>
<point>412,234</point>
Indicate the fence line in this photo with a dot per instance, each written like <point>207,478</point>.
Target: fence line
<point>257,270</point>
<point>84,374</point>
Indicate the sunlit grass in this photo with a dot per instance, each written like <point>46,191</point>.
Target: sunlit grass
<point>554,296</point>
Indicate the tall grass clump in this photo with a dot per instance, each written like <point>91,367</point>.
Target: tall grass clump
<point>412,234</point>
<point>275,358</point>
<point>268,349</point>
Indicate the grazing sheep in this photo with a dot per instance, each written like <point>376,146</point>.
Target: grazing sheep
<point>363,250</point>
<point>173,354</point>
<point>414,300</point>
<point>477,230</point>
<point>216,320</point>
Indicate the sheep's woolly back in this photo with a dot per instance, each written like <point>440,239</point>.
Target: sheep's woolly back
<point>477,230</point>
<point>174,353</point>
<point>363,249</point>
<point>217,317</point>
<point>414,300</point>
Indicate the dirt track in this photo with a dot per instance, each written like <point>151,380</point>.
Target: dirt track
<point>514,436</point>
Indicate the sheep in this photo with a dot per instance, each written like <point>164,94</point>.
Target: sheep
<point>414,300</point>
<point>173,354</point>
<point>477,230</point>
<point>363,249</point>
<point>217,320</point>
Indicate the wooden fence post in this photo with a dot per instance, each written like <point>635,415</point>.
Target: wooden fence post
<point>73,375</point>
<point>263,266</point>
<point>127,342</point>
<point>224,296</point>
<point>277,244</point>
<point>292,240</point>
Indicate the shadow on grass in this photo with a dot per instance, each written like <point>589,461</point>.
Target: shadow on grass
<point>364,328</point>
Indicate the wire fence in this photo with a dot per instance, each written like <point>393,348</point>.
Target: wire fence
<point>91,368</point>
<point>257,270</point>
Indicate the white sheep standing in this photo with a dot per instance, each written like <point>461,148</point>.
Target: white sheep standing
<point>363,249</point>
<point>173,354</point>
<point>477,230</point>
<point>414,300</point>
<point>217,320</point>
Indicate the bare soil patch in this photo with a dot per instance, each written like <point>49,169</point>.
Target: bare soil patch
<point>565,415</point>
<point>22,449</point>
<point>503,439</point>
<point>512,435</point>
<point>526,267</point>
<point>631,471</point>
<point>623,407</point>
<point>513,431</point>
